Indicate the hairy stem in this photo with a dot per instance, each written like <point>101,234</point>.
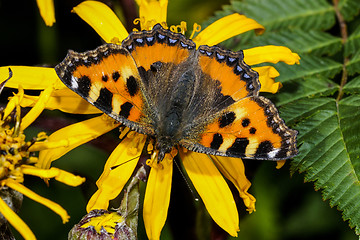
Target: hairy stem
<point>344,37</point>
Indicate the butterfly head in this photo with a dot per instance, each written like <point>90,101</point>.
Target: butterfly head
<point>164,145</point>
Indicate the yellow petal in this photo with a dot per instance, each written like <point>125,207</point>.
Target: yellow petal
<point>117,171</point>
<point>157,197</point>
<point>102,19</point>
<point>47,11</point>
<point>266,78</point>
<point>37,109</point>
<point>212,189</point>
<point>107,221</point>
<point>36,78</point>
<point>225,28</point>
<point>272,54</point>
<point>234,170</point>
<point>44,201</point>
<point>16,221</point>
<point>73,136</point>
<point>64,100</point>
<point>152,11</point>
<point>280,164</point>
<point>13,102</point>
<point>59,175</point>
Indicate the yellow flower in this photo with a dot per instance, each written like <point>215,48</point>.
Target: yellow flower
<point>47,11</point>
<point>203,170</point>
<point>16,159</point>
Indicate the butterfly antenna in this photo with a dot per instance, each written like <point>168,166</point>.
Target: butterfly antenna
<point>113,167</point>
<point>196,198</point>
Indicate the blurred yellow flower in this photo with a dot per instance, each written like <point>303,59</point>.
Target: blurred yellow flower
<point>17,159</point>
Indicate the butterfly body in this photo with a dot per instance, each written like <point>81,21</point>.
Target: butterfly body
<point>159,84</point>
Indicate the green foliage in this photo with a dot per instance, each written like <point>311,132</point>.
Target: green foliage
<point>353,42</point>
<point>320,97</point>
<point>349,8</point>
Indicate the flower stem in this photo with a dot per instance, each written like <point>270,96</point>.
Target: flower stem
<point>344,38</point>
<point>130,13</point>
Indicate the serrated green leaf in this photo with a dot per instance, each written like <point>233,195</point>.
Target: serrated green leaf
<point>328,129</point>
<point>304,88</point>
<point>309,66</point>
<point>353,86</point>
<point>293,112</point>
<point>329,153</point>
<point>353,43</point>
<point>353,66</point>
<point>275,14</point>
<point>312,42</point>
<point>349,8</point>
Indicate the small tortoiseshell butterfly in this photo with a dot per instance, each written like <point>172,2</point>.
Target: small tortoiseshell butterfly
<point>206,100</point>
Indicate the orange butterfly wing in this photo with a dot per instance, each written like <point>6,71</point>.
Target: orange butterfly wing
<point>246,125</point>
<point>108,78</point>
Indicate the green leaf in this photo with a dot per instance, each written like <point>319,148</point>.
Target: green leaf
<point>309,87</point>
<point>328,134</point>
<point>276,14</point>
<point>312,42</point>
<point>329,152</point>
<point>353,86</point>
<point>353,42</point>
<point>353,66</point>
<point>309,66</point>
<point>293,112</point>
<point>349,8</point>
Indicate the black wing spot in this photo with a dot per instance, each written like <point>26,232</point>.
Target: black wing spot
<point>263,149</point>
<point>245,122</point>
<point>252,130</point>
<point>227,119</point>
<point>238,147</point>
<point>217,141</point>
<point>115,76</point>
<point>84,84</point>
<point>132,85</point>
<point>104,100</point>
<point>125,109</point>
<point>105,78</point>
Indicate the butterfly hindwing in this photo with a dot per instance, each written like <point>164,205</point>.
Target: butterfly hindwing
<point>108,78</point>
<point>249,128</point>
<point>235,122</point>
<point>222,78</point>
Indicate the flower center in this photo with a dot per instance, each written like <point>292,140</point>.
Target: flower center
<point>14,150</point>
<point>107,221</point>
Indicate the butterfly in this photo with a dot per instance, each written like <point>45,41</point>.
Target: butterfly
<point>204,99</point>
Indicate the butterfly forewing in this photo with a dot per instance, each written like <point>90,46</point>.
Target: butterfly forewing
<point>108,78</point>
<point>162,58</point>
